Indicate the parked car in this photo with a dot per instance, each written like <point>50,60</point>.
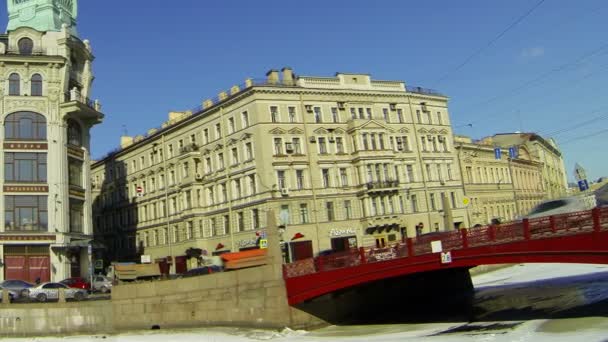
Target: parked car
<point>77,283</point>
<point>18,286</point>
<point>12,295</point>
<point>102,284</point>
<point>46,291</point>
<point>562,206</point>
<point>201,271</point>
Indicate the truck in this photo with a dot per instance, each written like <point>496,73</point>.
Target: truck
<point>131,271</point>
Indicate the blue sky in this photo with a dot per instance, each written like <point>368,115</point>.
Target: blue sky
<point>155,56</point>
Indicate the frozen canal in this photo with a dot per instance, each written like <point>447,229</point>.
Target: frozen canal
<point>536,302</point>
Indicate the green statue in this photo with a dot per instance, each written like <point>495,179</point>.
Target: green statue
<point>42,15</point>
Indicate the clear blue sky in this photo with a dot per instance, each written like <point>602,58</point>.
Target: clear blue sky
<point>155,56</point>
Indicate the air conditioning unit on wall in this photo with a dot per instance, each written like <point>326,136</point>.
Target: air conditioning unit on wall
<point>284,192</point>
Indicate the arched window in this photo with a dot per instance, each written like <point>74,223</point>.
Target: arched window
<point>36,85</point>
<point>74,133</point>
<point>25,126</point>
<point>26,46</point>
<point>14,85</point>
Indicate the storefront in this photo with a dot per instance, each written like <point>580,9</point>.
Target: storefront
<point>384,235</point>
<point>343,239</point>
<point>30,263</point>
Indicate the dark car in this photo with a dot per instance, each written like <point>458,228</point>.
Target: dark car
<point>77,283</point>
<point>17,286</point>
<point>201,271</point>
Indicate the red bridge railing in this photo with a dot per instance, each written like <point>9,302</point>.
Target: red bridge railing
<point>595,220</point>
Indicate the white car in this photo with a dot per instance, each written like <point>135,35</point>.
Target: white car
<point>563,206</point>
<point>46,291</point>
<point>102,284</point>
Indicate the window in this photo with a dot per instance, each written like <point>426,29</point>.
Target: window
<point>240,221</point>
<point>74,133</point>
<point>284,215</point>
<point>304,213</point>
<point>353,113</point>
<point>220,161</point>
<point>400,115</point>
<point>297,147</point>
<point>414,200</point>
<point>453,198</point>
<point>418,116</point>
<point>372,137</point>
<point>300,179</point>
<point>429,174</point>
<point>369,113</point>
<point>348,210</point>
<point>25,167</point>
<point>224,192</point>
<point>335,116</point>
<point>36,84</point>
<point>281,179</point>
<point>75,172</point>
<point>339,145</point>
<point>14,85</point>
<point>433,204</point>
<point>449,169</point>
<point>385,115</point>
<point>26,46</point>
<point>274,114</point>
<point>189,231</point>
<point>365,143</point>
<point>318,114</point>
<point>237,188</point>
<point>343,177</point>
<point>245,119</point>
<point>249,151</point>
<point>423,143</point>
<point>76,216</point>
<point>291,111</point>
<point>252,185</point>
<point>278,146</point>
<point>26,213</point>
<point>322,145</point>
<point>170,152</point>
<point>329,206</point>
<point>325,177</point>
<point>226,224</point>
<point>255,218</point>
<point>231,127</point>
<point>25,126</point>
<point>206,135</point>
<point>235,156</point>
<point>218,131</point>
<point>439,119</point>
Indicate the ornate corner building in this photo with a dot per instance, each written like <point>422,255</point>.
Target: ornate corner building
<point>344,161</point>
<point>46,114</point>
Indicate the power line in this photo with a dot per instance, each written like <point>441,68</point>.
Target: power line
<point>581,124</point>
<point>491,42</point>
<point>582,137</point>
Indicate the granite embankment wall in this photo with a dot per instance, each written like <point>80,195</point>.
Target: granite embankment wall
<point>253,297</point>
<point>40,319</point>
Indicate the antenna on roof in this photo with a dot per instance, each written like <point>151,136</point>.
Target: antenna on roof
<point>124,130</point>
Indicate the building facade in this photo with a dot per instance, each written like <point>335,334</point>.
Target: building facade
<point>46,117</point>
<point>499,185</point>
<point>554,176</point>
<point>344,161</point>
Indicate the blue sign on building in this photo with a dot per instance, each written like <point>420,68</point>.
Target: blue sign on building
<point>583,185</point>
<point>497,153</point>
<point>513,152</point>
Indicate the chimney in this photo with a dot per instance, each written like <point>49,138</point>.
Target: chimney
<point>288,76</point>
<point>273,76</point>
<point>125,141</point>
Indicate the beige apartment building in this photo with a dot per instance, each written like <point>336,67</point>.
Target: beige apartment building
<point>546,151</point>
<point>499,185</point>
<point>46,77</point>
<point>343,161</point>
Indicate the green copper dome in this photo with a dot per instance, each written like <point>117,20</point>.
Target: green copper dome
<point>42,15</point>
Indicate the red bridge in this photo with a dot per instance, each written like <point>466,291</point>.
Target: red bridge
<point>571,238</point>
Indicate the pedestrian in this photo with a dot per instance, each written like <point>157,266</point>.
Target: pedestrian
<point>38,281</point>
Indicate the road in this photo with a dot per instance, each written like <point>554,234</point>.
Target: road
<point>524,303</point>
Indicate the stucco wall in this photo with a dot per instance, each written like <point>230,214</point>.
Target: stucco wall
<point>55,318</point>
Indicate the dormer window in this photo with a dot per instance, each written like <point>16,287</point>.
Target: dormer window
<point>26,46</point>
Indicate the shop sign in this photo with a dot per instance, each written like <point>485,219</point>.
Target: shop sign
<point>248,243</point>
<point>26,188</point>
<point>25,146</point>
<point>146,259</point>
<point>27,238</point>
<point>342,232</point>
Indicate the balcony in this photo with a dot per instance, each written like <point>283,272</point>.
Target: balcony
<point>87,109</point>
<point>382,186</point>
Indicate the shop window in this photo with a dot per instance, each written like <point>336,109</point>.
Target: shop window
<point>25,126</point>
